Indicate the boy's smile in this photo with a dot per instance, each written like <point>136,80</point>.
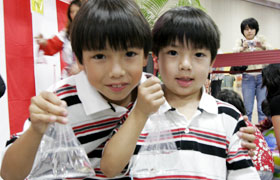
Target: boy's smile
<point>117,87</point>
<point>114,73</point>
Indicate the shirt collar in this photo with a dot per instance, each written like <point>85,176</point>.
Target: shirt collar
<point>208,103</point>
<point>91,99</point>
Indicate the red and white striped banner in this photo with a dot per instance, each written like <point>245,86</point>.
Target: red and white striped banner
<point>19,54</point>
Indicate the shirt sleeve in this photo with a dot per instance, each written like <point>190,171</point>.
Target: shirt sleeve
<point>239,163</point>
<point>264,43</point>
<point>54,45</point>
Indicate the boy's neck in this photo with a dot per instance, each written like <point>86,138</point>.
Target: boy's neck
<point>177,101</point>
<point>186,105</point>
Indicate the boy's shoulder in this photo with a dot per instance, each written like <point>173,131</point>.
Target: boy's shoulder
<point>65,87</point>
<point>216,106</point>
<point>229,109</point>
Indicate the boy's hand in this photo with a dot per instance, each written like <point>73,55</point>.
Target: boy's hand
<point>247,134</point>
<point>150,96</point>
<point>46,108</point>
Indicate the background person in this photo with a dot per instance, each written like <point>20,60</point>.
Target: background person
<point>61,42</point>
<point>252,82</point>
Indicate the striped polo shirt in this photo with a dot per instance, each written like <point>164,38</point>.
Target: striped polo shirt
<point>203,147</point>
<point>93,119</point>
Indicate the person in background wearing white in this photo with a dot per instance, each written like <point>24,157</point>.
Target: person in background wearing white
<point>252,82</point>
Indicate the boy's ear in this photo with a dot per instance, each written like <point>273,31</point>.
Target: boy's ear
<point>81,67</point>
<point>155,60</point>
<point>145,61</point>
<point>211,65</point>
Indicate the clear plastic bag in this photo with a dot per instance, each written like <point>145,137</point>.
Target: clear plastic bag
<point>60,155</point>
<point>157,156</point>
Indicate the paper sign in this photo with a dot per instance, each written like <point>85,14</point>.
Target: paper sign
<point>37,6</point>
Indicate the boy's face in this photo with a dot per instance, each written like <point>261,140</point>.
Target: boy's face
<point>114,73</point>
<point>183,69</point>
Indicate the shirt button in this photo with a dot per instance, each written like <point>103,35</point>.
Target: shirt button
<point>187,130</point>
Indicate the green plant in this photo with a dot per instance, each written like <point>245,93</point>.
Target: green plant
<point>152,9</point>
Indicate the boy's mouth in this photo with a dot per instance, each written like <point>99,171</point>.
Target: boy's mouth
<point>117,87</point>
<point>184,82</point>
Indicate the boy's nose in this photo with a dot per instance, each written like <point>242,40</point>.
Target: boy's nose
<point>185,64</point>
<point>117,71</point>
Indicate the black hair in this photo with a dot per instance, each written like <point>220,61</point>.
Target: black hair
<point>74,2</point>
<point>252,23</point>
<point>186,24</point>
<point>119,23</point>
<point>233,98</point>
<point>69,23</point>
<point>271,80</point>
<point>266,108</point>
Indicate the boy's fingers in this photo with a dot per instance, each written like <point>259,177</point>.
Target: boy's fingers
<point>248,133</point>
<point>247,137</point>
<point>51,97</point>
<point>159,101</point>
<point>158,95</point>
<point>245,118</point>
<point>46,118</point>
<point>248,145</point>
<point>152,80</point>
<point>251,153</point>
<point>37,114</point>
<point>44,106</point>
<point>154,88</point>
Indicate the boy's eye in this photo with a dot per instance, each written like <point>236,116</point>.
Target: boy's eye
<point>172,53</point>
<point>99,56</point>
<point>199,54</point>
<point>130,54</point>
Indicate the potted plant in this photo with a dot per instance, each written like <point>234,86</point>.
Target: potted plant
<point>152,9</point>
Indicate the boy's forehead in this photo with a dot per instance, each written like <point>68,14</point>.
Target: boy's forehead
<point>115,47</point>
<point>186,43</point>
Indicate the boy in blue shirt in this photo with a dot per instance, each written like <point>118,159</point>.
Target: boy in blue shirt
<point>204,129</point>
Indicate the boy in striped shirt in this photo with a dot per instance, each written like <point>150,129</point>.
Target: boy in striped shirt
<point>203,129</point>
<point>100,98</point>
<point>111,40</point>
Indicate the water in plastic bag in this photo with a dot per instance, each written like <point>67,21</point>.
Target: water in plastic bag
<point>60,155</point>
<point>158,154</point>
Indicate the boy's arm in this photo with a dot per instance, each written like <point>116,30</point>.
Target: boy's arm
<point>239,163</point>
<point>18,159</point>
<point>121,146</point>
